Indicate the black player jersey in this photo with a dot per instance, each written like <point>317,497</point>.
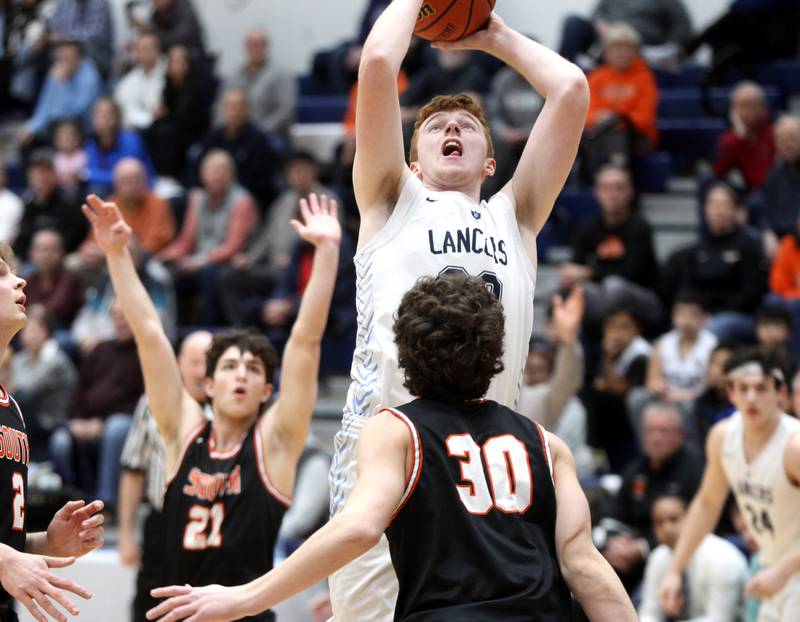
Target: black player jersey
<point>474,539</point>
<point>14,460</point>
<point>221,514</point>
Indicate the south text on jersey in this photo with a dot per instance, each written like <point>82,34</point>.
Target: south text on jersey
<point>14,445</point>
<point>468,240</point>
<point>211,486</point>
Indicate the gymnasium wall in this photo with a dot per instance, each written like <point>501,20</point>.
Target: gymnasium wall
<point>299,27</point>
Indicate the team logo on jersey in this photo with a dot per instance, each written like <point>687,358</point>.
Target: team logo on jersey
<point>211,486</point>
<point>14,445</point>
<point>475,214</point>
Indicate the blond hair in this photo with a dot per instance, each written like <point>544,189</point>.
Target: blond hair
<point>7,255</point>
<point>446,103</point>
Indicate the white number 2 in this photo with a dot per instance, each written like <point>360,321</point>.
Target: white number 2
<point>194,537</point>
<point>18,505</point>
<point>510,485</point>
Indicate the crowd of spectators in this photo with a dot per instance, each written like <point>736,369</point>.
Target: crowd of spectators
<point>204,170</point>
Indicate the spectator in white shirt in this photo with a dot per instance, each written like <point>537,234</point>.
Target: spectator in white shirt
<point>11,208</point>
<point>714,580</point>
<point>139,91</point>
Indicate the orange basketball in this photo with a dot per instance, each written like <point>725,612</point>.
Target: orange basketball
<point>450,20</point>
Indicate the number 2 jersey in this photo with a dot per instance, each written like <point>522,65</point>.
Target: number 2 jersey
<point>222,514</point>
<point>474,538</point>
<point>14,460</point>
<point>767,499</point>
<point>427,234</point>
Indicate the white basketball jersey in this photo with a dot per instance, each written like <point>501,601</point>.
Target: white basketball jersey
<point>769,502</point>
<point>430,233</point>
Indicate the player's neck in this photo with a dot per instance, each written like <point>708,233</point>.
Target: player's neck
<point>228,431</point>
<point>758,433</point>
<point>473,191</point>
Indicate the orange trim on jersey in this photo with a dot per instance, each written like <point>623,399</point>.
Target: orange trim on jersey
<point>262,471</point>
<point>545,449</point>
<point>222,455</point>
<point>189,440</point>
<point>412,479</point>
<point>5,398</point>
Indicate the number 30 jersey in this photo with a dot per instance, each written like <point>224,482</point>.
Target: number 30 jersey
<point>767,499</point>
<point>474,537</point>
<point>14,460</point>
<point>221,514</point>
<point>427,234</point>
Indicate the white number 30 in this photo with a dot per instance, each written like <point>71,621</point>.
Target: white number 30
<point>510,483</point>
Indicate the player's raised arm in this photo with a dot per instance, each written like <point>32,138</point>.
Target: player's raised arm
<point>289,418</point>
<point>587,573</point>
<point>162,380</point>
<point>379,166</point>
<point>382,471</point>
<point>553,143</point>
<point>703,515</point>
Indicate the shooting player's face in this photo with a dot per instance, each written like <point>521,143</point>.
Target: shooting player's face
<point>239,386</point>
<point>12,300</point>
<point>452,150</point>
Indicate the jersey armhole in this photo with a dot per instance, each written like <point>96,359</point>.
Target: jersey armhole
<point>261,455</point>
<point>191,438</point>
<point>398,218</point>
<point>548,456</point>
<point>412,479</point>
<point>510,216</point>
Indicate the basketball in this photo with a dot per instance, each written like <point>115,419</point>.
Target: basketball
<point>450,20</point>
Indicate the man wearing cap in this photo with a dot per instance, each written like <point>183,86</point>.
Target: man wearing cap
<point>46,207</point>
<point>755,453</point>
<point>624,99</point>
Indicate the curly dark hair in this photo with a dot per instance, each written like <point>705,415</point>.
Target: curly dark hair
<point>247,340</point>
<point>449,333</point>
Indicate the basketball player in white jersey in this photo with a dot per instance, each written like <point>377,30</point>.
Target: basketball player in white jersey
<point>756,454</point>
<point>426,219</point>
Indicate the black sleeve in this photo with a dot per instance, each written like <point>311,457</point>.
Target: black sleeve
<point>754,276</point>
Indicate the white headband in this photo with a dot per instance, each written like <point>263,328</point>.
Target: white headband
<point>753,367</point>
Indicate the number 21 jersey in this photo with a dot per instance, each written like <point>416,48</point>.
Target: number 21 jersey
<point>474,538</point>
<point>221,514</point>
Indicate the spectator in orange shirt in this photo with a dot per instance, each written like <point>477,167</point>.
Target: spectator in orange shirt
<point>149,216</point>
<point>784,282</point>
<point>624,98</point>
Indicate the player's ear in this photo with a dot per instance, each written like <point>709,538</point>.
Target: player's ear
<point>267,392</point>
<point>489,167</point>
<point>416,170</point>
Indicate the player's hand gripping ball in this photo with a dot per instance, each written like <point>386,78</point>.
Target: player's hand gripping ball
<point>451,20</point>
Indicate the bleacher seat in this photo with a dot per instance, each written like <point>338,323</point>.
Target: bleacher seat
<point>652,171</point>
<point>688,76</point>
<point>15,177</point>
<point>692,137</point>
<point>321,109</point>
<point>574,205</point>
<point>688,102</point>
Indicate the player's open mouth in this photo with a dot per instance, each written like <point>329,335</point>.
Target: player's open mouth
<point>452,148</point>
<point>240,391</point>
<point>21,302</point>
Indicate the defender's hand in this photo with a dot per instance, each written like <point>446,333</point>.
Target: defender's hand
<point>320,221</point>
<point>76,529</point>
<point>111,232</point>
<point>211,603</point>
